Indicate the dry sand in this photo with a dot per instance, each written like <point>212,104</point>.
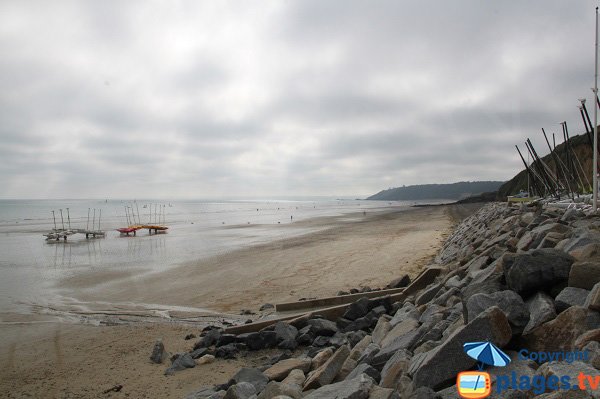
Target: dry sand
<point>61,360</point>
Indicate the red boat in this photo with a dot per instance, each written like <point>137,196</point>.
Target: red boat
<point>127,230</point>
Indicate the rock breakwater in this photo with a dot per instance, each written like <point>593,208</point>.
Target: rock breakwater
<point>520,277</point>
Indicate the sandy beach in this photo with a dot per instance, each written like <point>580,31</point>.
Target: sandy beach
<point>45,358</point>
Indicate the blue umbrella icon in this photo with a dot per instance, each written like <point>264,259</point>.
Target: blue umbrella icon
<point>486,353</point>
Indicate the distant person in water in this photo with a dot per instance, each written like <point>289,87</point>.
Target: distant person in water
<point>291,218</point>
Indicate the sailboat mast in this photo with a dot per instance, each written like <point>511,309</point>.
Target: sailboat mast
<point>595,165</point>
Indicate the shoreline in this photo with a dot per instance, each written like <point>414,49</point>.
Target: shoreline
<point>49,357</point>
<point>320,263</point>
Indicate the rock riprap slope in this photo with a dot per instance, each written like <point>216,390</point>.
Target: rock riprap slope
<point>520,277</point>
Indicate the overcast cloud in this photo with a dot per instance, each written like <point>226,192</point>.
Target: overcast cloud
<point>198,99</point>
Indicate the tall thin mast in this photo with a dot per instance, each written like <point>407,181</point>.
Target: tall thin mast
<point>595,165</point>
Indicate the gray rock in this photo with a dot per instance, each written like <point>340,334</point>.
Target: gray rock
<point>362,323</point>
<point>501,376</point>
<point>382,328</point>
<point>253,376</point>
<point>364,368</point>
<point>573,370</point>
<point>198,353</point>
<point>352,360</point>
<point>570,296</point>
<point>442,364</point>
<point>399,330</point>
<point>399,282</point>
<point>455,282</point>
<point>584,274</point>
<point>226,339</point>
<point>541,310</point>
<point>242,390</point>
<point>581,239</point>
<point>510,302</point>
<point>593,300</point>
<point>275,389</point>
<point>357,309</point>
<point>326,373</point>
<point>281,369</point>
<point>322,327</point>
<point>320,358</point>
<point>490,280</point>
<point>408,310</point>
<point>559,333</point>
<point>354,337</point>
<point>431,311</point>
<point>209,339</point>
<point>181,362</point>
<point>407,341</point>
<point>525,241</point>
<point>394,368</point>
<point>369,353</point>
<point>445,297</point>
<point>537,270</point>
<point>357,388</point>
<point>428,294</point>
<point>285,332</point>
<point>296,377</point>
<point>593,351</point>
<point>227,351</point>
<point>159,354</point>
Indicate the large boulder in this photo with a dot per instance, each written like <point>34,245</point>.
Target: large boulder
<point>285,332</point>
<point>242,390</point>
<point>399,330</point>
<point>326,373</point>
<point>159,354</point>
<point>252,376</point>
<point>584,275</point>
<point>275,389</point>
<point>281,369</point>
<point>357,388</point>
<point>364,368</point>
<point>394,368</point>
<point>322,327</point>
<point>559,333</point>
<point>574,370</point>
<point>181,362</point>
<point>509,301</point>
<point>541,309</point>
<point>593,300</point>
<point>352,360</point>
<point>570,296</point>
<point>399,282</point>
<point>408,310</point>
<point>357,309</point>
<point>406,341</point>
<point>442,364</point>
<point>382,328</point>
<point>537,270</point>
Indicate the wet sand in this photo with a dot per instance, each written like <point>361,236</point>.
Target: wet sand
<point>57,359</point>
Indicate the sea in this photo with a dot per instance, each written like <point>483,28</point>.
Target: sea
<point>31,266</point>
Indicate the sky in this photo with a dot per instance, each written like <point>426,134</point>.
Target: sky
<point>235,99</point>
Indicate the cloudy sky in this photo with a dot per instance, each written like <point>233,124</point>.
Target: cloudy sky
<point>198,99</point>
